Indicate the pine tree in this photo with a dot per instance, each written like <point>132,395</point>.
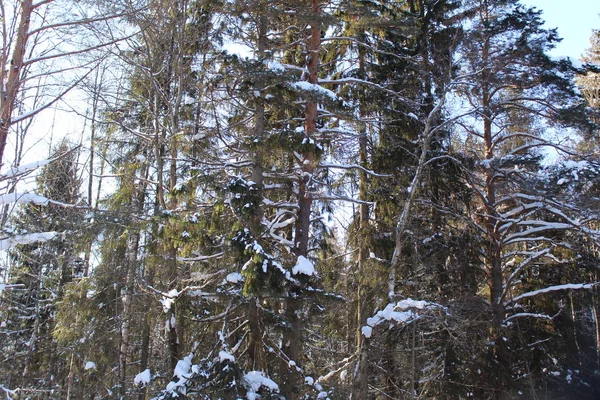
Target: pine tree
<point>514,89</point>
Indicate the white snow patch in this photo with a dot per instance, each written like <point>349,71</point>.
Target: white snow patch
<point>225,356</point>
<point>89,365</point>
<point>276,67</point>
<point>23,198</point>
<point>303,266</point>
<point>14,171</point>
<point>26,239</point>
<point>168,299</point>
<point>367,331</point>
<point>402,311</point>
<point>183,366</point>
<point>140,158</point>
<point>254,380</point>
<point>313,88</point>
<point>410,303</point>
<point>143,378</point>
<point>234,277</point>
<point>183,370</point>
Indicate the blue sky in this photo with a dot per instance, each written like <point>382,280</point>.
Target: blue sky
<point>574,19</point>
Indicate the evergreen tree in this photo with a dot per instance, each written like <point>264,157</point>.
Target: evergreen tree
<point>515,90</point>
<point>39,273</point>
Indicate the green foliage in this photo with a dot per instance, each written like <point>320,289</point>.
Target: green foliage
<point>264,274</point>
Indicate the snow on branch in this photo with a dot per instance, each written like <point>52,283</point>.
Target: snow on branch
<point>21,169</point>
<point>183,370</point>
<point>26,198</point>
<point>317,90</point>
<point>143,378</point>
<point>402,311</point>
<point>567,286</point>
<point>200,257</point>
<point>353,166</point>
<point>12,241</point>
<point>254,380</point>
<point>23,198</point>
<point>529,315</point>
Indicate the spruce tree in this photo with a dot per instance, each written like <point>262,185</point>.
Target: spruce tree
<point>40,272</point>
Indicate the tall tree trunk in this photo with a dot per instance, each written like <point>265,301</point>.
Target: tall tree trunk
<point>131,263</point>
<point>302,227</point>
<point>364,292</point>
<point>71,378</point>
<point>493,245</point>
<point>292,338</point>
<point>127,313</point>
<point>254,347</point>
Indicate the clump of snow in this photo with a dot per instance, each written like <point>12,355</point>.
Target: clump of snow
<point>183,366</point>
<point>234,277</point>
<point>254,380</point>
<point>303,266</point>
<point>410,303</point>
<point>89,365</point>
<point>168,299</point>
<point>313,88</point>
<point>140,158</point>
<point>276,67</point>
<point>143,378</point>
<point>367,331</point>
<point>183,370</point>
<point>225,356</point>
<point>402,311</point>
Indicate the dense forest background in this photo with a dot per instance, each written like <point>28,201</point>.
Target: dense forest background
<point>297,199</point>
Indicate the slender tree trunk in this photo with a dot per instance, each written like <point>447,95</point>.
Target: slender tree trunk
<point>71,378</point>
<point>127,314</point>
<point>595,306</point>
<point>364,292</point>
<point>90,188</point>
<point>254,347</point>
<point>131,263</point>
